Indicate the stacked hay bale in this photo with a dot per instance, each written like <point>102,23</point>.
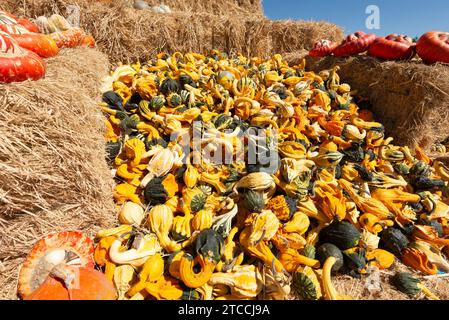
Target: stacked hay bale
<point>126,34</point>
<point>52,176</point>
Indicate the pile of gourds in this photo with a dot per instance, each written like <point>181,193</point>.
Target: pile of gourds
<point>339,196</point>
<point>24,44</point>
<point>431,47</point>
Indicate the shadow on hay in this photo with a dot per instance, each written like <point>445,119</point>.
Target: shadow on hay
<point>52,176</point>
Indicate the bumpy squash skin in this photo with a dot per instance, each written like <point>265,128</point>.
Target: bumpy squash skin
<point>354,44</point>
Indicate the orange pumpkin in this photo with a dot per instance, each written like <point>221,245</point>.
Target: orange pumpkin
<point>77,284</point>
<point>68,248</point>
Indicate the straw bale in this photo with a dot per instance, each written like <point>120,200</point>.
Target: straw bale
<point>52,176</point>
<point>126,34</point>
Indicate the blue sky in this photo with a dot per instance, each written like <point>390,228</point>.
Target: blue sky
<point>412,17</point>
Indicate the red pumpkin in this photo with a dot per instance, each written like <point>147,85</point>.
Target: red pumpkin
<point>69,38</point>
<point>72,283</point>
<point>18,64</point>
<point>434,47</point>
<point>31,27</point>
<point>323,48</point>
<point>68,248</point>
<point>392,47</point>
<point>354,43</point>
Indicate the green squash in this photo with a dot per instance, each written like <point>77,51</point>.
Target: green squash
<point>170,85</point>
<point>406,283</point>
<point>174,100</point>
<point>327,250</point>
<point>393,240</point>
<point>210,243</point>
<point>113,149</point>
<point>157,102</point>
<point>342,234</point>
<point>253,201</point>
<point>355,260</point>
<point>186,79</point>
<point>155,192</point>
<point>309,251</point>
<point>114,100</point>
<point>198,202</point>
<point>305,286</point>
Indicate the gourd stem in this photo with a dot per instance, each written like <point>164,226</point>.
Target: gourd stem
<point>427,292</point>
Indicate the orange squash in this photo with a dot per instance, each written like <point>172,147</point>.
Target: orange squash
<point>88,41</point>
<point>41,44</point>
<point>85,284</point>
<point>68,39</point>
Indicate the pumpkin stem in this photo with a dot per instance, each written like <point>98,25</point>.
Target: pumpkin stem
<point>61,272</point>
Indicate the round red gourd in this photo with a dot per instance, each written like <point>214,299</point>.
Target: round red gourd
<point>354,43</point>
<point>434,47</point>
<point>68,248</point>
<point>18,64</point>
<point>323,48</point>
<point>392,47</point>
<point>83,284</point>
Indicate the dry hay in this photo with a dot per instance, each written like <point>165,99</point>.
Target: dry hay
<point>128,35</point>
<point>358,288</point>
<point>52,176</point>
<point>410,98</point>
<point>216,7</point>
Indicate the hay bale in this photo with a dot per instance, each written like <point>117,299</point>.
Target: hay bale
<point>129,35</point>
<point>33,8</point>
<point>268,37</point>
<point>410,98</point>
<point>51,178</point>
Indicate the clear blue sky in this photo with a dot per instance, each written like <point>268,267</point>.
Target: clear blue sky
<point>412,17</point>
